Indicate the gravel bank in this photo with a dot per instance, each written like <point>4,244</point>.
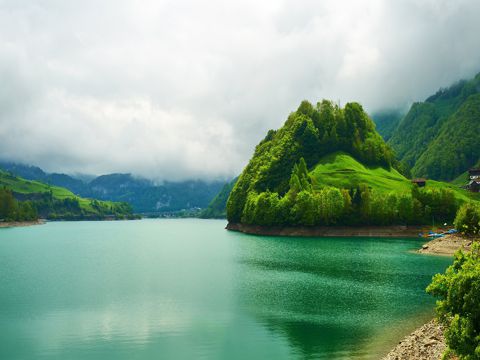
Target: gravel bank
<point>446,245</point>
<point>425,343</point>
<point>6,224</point>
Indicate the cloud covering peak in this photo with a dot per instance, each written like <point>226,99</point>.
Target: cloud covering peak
<point>185,89</point>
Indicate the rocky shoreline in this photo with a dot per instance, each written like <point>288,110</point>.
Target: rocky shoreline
<point>447,245</point>
<point>425,343</point>
<point>328,231</point>
<point>7,224</point>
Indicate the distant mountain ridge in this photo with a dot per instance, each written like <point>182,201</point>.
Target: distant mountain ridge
<point>142,194</point>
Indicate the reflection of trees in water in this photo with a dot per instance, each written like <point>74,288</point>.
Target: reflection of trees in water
<point>329,296</point>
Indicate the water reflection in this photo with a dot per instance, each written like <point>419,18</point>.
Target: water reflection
<point>330,296</point>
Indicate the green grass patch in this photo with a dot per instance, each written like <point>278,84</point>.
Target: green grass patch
<point>343,171</point>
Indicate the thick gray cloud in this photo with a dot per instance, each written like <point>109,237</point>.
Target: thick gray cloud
<point>185,89</point>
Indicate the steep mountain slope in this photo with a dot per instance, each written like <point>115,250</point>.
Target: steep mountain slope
<point>386,122</point>
<point>456,146</point>
<point>416,136</point>
<point>217,209</point>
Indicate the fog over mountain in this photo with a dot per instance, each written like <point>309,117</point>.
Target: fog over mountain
<point>173,90</point>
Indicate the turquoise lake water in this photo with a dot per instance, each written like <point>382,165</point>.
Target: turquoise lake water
<point>188,289</point>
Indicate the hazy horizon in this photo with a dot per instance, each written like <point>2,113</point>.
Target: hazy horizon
<point>185,90</point>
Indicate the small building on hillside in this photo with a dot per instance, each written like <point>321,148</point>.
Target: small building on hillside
<point>421,182</point>
<point>474,174</point>
<point>473,185</point>
<point>473,180</point>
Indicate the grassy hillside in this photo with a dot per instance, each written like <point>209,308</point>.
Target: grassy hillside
<point>58,202</point>
<point>438,138</point>
<point>343,171</point>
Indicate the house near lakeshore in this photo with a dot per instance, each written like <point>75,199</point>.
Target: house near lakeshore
<point>420,182</point>
<point>474,180</point>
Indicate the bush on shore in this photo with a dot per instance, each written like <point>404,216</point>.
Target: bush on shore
<point>467,220</point>
<point>459,304</point>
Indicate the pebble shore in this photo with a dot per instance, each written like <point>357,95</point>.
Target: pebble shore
<point>425,343</point>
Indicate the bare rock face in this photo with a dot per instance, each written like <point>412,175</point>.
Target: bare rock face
<point>425,343</point>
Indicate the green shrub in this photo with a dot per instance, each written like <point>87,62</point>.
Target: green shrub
<point>467,220</point>
<point>459,304</point>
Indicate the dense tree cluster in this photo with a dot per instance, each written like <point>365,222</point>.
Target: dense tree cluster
<point>310,133</point>
<point>361,205</point>
<point>13,210</point>
<point>50,207</point>
<point>467,220</point>
<point>459,304</point>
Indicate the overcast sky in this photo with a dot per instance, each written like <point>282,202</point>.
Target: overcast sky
<point>186,89</point>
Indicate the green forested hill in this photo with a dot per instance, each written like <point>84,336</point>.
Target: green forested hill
<point>438,137</point>
<point>327,166</point>
<point>59,203</point>
<point>217,209</point>
<point>386,122</point>
<point>456,146</point>
<point>309,133</point>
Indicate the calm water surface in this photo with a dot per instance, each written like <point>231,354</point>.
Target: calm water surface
<point>188,289</point>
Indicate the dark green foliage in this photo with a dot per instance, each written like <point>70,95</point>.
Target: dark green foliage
<point>418,128</point>
<point>217,209</point>
<point>13,210</point>
<point>456,146</point>
<point>467,220</point>
<point>386,122</point>
<point>439,137</point>
<point>459,304</point>
<point>309,134</point>
<point>435,204</point>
